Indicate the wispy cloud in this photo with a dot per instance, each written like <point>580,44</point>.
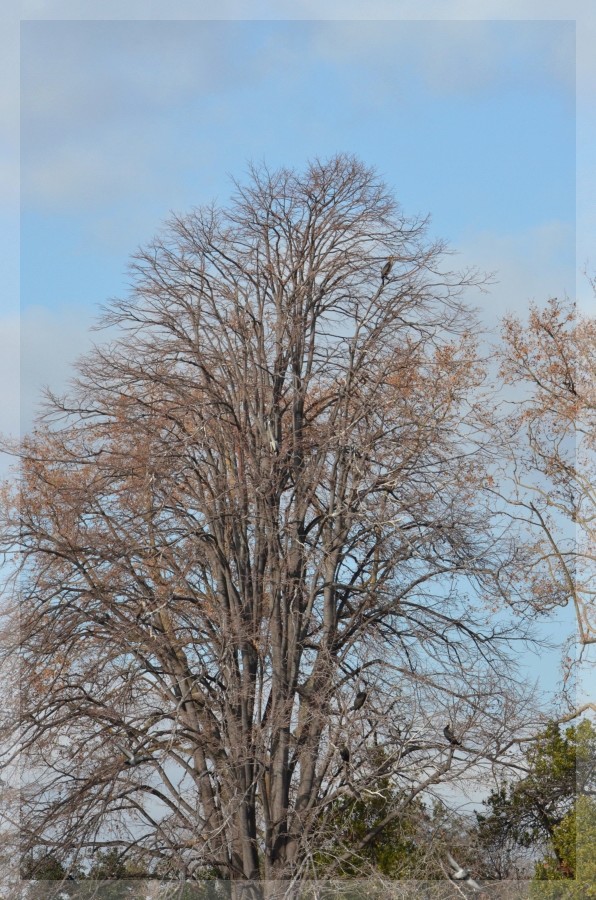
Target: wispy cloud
<point>82,73</point>
<point>51,341</point>
<point>106,104</point>
<point>463,57</point>
<point>9,373</point>
<point>530,266</point>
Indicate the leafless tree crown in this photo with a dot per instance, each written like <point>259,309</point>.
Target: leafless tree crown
<point>257,557</point>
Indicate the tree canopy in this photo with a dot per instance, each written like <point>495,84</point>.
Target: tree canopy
<point>552,357</point>
<point>270,494</point>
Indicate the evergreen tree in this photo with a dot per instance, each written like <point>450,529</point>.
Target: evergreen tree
<point>539,814</point>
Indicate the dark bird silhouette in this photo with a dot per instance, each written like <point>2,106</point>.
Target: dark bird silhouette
<point>360,699</point>
<point>345,754</point>
<point>461,874</point>
<point>451,737</point>
<point>386,269</point>
<point>132,757</point>
<point>411,748</point>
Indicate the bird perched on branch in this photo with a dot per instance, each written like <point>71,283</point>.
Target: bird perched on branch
<point>387,269</point>
<point>132,757</point>
<point>360,699</point>
<point>461,874</point>
<point>411,748</point>
<point>451,737</point>
<point>345,754</point>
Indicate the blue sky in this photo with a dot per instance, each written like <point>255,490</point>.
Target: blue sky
<point>468,111</point>
<point>123,121</point>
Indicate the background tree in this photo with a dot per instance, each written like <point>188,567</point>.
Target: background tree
<point>44,867</point>
<point>573,841</point>
<point>411,847</point>
<point>537,813</point>
<point>266,497</point>
<point>552,357</point>
<point>392,853</point>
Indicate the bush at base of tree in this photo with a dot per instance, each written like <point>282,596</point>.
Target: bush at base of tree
<point>575,859</point>
<point>549,811</point>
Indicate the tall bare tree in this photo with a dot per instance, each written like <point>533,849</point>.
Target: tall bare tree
<point>258,570</point>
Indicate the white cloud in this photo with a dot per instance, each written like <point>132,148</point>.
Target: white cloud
<point>529,266</point>
<point>9,109</point>
<point>99,98</point>
<point>106,106</point>
<point>9,374</point>
<point>86,73</point>
<point>85,172</point>
<point>146,9</point>
<point>38,349</point>
<point>463,57</point>
<point>51,341</point>
<point>430,10</point>
<point>9,380</point>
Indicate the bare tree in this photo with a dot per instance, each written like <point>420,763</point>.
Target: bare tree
<point>256,547</point>
<point>553,357</point>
